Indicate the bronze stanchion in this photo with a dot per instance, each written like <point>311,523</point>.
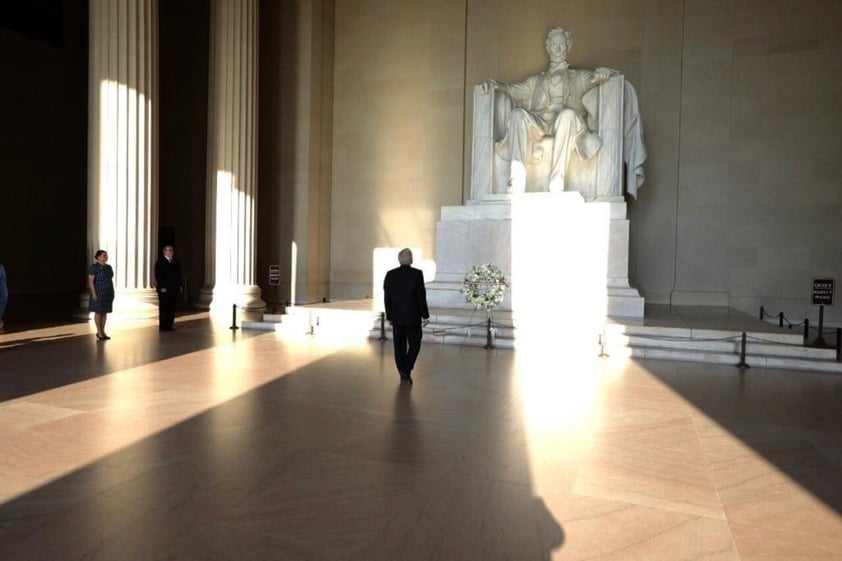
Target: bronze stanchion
<point>488,343</point>
<point>820,342</point>
<point>234,316</point>
<point>382,326</point>
<point>742,363</point>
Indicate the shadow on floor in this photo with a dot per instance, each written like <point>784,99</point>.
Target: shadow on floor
<point>81,357</point>
<point>334,461</point>
<point>792,419</point>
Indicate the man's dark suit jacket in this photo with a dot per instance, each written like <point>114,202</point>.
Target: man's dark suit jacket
<point>405,297</point>
<point>168,275</point>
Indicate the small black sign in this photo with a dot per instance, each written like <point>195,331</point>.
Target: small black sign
<point>274,275</point>
<point>822,292</point>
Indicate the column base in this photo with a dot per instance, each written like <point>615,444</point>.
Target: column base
<point>136,304</point>
<point>246,298</point>
<point>205,298</point>
<point>82,312</point>
<point>128,304</point>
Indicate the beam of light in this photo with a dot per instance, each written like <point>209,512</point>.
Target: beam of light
<point>231,247</point>
<point>226,224</point>
<point>342,328</point>
<point>141,402</point>
<point>329,325</point>
<point>124,189</point>
<point>559,266</point>
<point>293,272</point>
<point>559,303</point>
<point>560,409</point>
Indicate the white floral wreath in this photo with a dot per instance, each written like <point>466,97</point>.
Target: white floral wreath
<point>484,286</point>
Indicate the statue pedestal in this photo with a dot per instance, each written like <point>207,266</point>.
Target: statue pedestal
<point>565,259</point>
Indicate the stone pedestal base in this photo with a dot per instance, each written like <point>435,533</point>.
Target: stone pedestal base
<point>477,233</point>
<point>563,257</point>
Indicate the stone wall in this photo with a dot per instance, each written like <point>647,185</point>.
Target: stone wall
<point>741,204</point>
<point>759,192</point>
<point>398,130</point>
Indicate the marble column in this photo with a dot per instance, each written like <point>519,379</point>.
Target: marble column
<point>122,149</point>
<point>232,158</point>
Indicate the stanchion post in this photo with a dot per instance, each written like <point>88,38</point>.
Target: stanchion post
<point>382,326</point>
<point>820,342</point>
<point>234,316</point>
<point>602,353</point>
<point>781,319</point>
<point>839,344</point>
<point>488,344</point>
<point>761,312</point>
<point>806,331</point>
<point>742,363</point>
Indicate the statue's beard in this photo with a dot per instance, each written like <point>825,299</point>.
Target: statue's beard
<point>558,63</point>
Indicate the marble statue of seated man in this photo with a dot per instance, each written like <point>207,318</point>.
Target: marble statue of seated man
<point>549,105</point>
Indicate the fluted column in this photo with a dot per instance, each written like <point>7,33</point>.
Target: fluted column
<point>123,147</point>
<point>232,158</point>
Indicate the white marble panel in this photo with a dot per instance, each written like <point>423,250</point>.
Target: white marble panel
<point>488,211</point>
<point>451,252</point>
<point>625,306</point>
<point>618,249</point>
<point>490,242</point>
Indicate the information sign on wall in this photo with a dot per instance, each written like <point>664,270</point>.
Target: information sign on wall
<point>822,292</point>
<point>274,275</point>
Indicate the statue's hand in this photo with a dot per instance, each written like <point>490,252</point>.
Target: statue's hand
<point>602,74</point>
<point>489,86</point>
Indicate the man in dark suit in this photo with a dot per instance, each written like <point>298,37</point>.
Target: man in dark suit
<point>405,299</point>
<point>168,284</point>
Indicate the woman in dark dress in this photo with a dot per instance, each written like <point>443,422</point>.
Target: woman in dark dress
<point>101,285</point>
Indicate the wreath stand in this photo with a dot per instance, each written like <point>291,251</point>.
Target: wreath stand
<point>484,287</point>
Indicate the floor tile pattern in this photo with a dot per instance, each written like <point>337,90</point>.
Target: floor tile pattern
<point>207,444</point>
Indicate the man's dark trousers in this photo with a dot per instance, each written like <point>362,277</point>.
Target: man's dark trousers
<point>168,280</point>
<point>407,346</point>
<point>166,310</point>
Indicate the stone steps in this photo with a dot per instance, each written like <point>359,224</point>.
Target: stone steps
<point>772,348</point>
<point>763,349</point>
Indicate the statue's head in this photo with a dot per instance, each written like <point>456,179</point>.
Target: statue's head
<point>405,256</point>
<point>559,42</point>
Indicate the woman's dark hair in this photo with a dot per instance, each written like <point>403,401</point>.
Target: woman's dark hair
<point>98,253</point>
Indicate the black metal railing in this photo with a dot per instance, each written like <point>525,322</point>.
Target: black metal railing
<point>743,340</point>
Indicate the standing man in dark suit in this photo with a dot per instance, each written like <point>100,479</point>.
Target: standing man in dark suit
<point>169,286</point>
<point>405,299</point>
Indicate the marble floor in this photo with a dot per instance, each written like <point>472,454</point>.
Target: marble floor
<point>208,444</point>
